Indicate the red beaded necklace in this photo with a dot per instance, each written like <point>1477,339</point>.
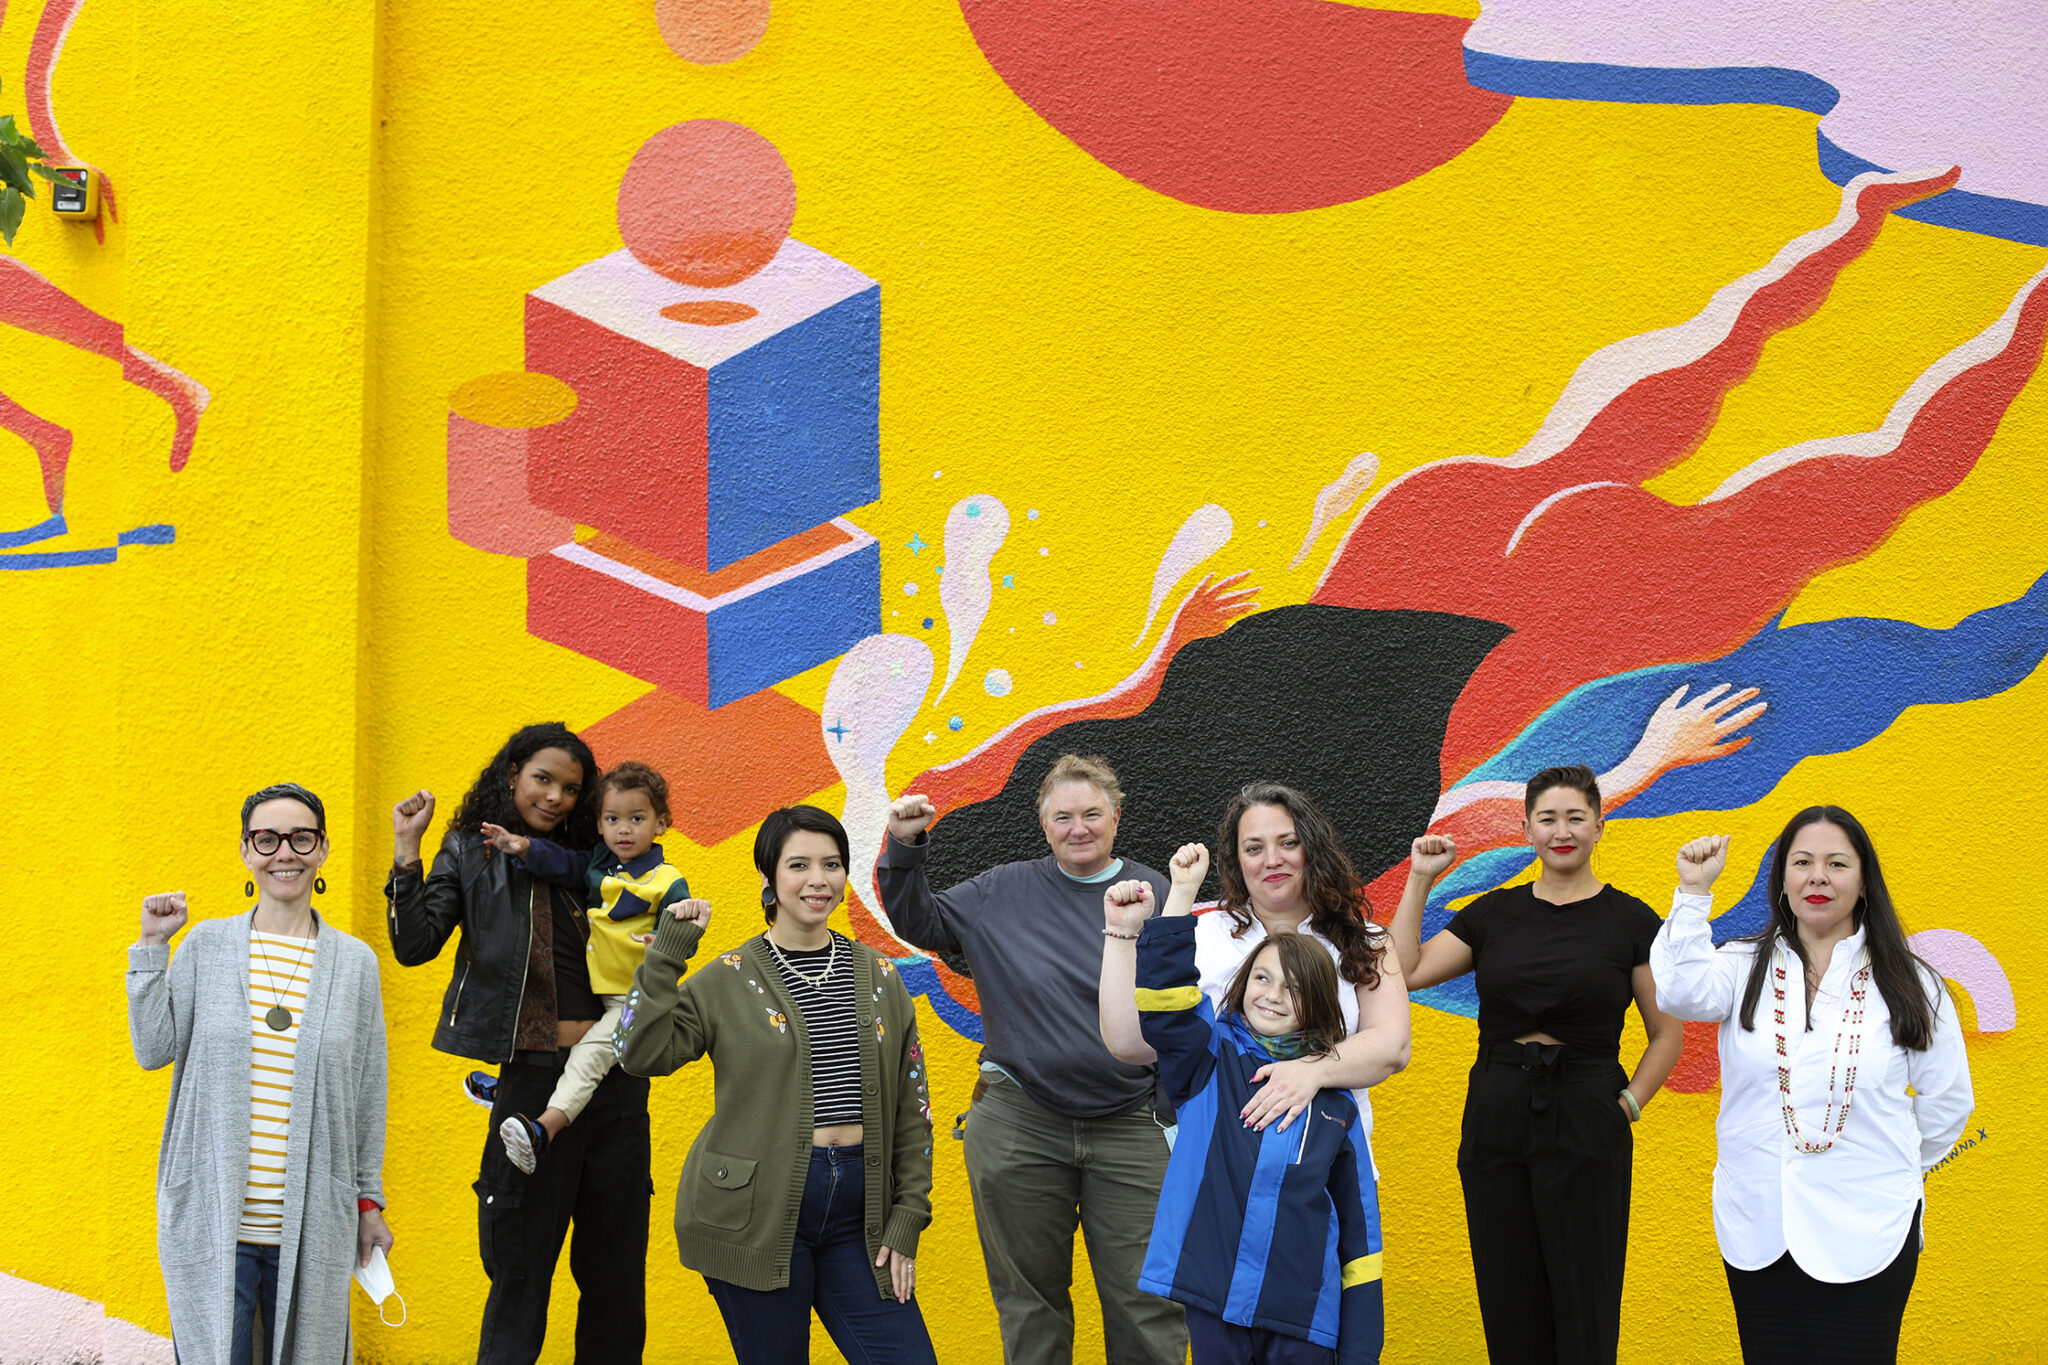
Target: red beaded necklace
<point>1852,1030</point>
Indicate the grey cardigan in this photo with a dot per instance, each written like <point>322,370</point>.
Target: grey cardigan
<point>192,1010</point>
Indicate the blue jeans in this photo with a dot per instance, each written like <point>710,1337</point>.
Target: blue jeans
<point>829,1270</point>
<point>255,1291</point>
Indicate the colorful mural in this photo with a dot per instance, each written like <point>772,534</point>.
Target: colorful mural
<point>1390,399</point>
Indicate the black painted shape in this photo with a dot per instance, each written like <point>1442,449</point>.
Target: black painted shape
<point>1346,704</point>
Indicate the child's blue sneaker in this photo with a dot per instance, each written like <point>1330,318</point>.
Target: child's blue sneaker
<point>481,1087</point>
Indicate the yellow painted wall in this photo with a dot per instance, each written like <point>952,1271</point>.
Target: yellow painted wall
<point>329,216</point>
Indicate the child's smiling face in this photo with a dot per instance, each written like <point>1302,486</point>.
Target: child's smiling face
<point>629,824</point>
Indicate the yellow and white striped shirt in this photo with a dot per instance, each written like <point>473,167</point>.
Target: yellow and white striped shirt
<point>279,969</point>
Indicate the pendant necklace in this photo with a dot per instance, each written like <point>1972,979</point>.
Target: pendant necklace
<point>831,961</point>
<point>277,1016</point>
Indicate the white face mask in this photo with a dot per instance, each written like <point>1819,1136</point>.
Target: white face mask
<point>375,1278</point>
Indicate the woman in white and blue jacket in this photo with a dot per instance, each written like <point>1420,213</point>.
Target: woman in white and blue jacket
<point>1270,1239</point>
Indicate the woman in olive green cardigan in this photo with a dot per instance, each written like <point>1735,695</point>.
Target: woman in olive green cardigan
<point>809,1186</point>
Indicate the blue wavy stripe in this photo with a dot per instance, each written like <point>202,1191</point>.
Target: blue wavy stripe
<point>156,533</point>
<point>921,978</point>
<point>2014,220</point>
<point>1650,84</point>
<point>1832,686</point>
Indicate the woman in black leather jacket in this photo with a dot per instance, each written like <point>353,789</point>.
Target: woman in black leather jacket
<point>520,997</point>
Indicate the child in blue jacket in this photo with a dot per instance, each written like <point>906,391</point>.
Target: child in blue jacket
<point>1270,1240</point>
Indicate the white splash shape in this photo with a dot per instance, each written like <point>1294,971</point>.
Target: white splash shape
<point>1338,494</point>
<point>872,698</point>
<point>1207,530</point>
<point>975,530</point>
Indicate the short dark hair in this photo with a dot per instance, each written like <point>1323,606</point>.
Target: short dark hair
<point>634,777</point>
<point>285,791</point>
<point>1306,968</point>
<point>776,831</point>
<point>1576,776</point>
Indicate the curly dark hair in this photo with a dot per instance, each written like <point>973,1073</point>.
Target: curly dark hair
<point>632,777</point>
<point>490,798</point>
<point>1330,884</point>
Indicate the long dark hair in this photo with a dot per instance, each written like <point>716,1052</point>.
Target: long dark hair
<point>1898,973</point>
<point>490,797</point>
<point>1306,968</point>
<point>1330,884</point>
<point>775,832</point>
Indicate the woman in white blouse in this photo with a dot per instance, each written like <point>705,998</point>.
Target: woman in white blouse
<point>1826,1019</point>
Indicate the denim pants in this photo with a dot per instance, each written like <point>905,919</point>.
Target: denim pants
<point>593,1176</point>
<point>255,1292</point>
<point>829,1270</point>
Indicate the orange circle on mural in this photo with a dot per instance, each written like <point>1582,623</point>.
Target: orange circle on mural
<point>710,312</point>
<point>706,203</point>
<point>515,399</point>
<point>711,32</point>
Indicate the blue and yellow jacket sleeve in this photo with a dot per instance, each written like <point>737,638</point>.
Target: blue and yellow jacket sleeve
<point>1172,1011</point>
<point>1361,1307</point>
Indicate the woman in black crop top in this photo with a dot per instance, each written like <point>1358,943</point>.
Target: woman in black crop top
<point>1545,1155</point>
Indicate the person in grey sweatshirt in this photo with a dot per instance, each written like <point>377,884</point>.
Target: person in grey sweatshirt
<point>1060,1133</point>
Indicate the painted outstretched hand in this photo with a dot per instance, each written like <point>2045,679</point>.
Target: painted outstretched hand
<point>1213,605</point>
<point>1683,732</point>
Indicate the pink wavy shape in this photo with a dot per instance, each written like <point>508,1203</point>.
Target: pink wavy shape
<point>32,303</point>
<point>52,28</point>
<point>1969,964</point>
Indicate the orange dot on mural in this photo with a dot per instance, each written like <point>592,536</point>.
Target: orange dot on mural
<point>711,32</point>
<point>710,312</point>
<point>706,203</point>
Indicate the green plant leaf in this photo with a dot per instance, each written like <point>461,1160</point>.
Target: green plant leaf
<point>54,177</point>
<point>12,207</point>
<point>14,171</point>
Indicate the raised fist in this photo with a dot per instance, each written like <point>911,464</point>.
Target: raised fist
<point>697,912</point>
<point>908,818</point>
<point>410,818</point>
<point>1432,855</point>
<point>1126,906</point>
<point>502,839</point>
<point>1700,863</point>
<point>1189,865</point>
<point>162,916</point>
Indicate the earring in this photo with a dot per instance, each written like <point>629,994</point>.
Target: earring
<point>320,886</point>
<point>767,898</point>
<point>248,888</point>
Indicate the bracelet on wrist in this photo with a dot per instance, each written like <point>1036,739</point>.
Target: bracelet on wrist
<point>1635,1110</point>
<point>364,1205</point>
<point>1111,933</point>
